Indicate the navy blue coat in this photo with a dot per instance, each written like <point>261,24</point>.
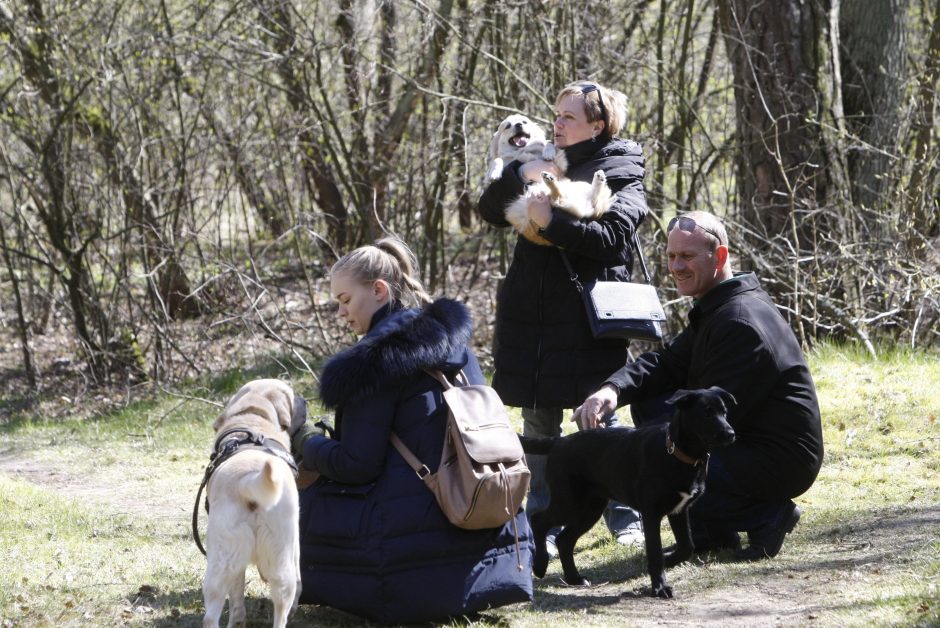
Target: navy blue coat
<point>738,340</point>
<point>373,540</point>
<point>545,355</point>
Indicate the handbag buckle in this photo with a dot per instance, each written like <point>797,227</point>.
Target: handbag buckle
<point>423,472</point>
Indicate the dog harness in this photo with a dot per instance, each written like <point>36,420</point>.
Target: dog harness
<point>226,447</point>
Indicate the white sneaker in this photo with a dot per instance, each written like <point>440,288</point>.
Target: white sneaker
<point>631,536</point>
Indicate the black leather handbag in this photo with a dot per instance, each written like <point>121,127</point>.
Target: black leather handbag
<point>620,309</point>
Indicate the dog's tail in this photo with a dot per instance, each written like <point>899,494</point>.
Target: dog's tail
<point>537,444</point>
<point>264,487</point>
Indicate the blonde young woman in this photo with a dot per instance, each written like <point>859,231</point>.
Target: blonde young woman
<point>546,359</point>
<point>373,540</point>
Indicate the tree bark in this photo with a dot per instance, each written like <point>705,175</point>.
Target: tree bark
<point>771,45</point>
<point>921,218</point>
<point>873,61</point>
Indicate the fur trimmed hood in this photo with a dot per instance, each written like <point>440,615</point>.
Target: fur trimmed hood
<point>403,342</point>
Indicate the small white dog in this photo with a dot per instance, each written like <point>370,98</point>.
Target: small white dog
<point>253,503</point>
<point>583,200</point>
<point>518,138</point>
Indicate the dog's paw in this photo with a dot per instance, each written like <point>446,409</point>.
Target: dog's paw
<point>548,152</point>
<point>540,564</point>
<point>600,177</point>
<point>495,171</point>
<point>547,176</point>
<point>662,591</point>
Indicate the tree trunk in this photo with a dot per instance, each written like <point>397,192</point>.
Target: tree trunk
<point>274,15</point>
<point>771,46</point>
<point>921,220</point>
<point>873,59</point>
<point>22,327</point>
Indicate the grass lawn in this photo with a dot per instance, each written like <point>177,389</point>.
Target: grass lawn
<point>95,520</point>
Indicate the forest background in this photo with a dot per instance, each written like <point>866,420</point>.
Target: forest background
<point>177,176</point>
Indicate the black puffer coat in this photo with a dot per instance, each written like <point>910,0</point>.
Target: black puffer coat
<point>545,353</point>
<point>738,340</point>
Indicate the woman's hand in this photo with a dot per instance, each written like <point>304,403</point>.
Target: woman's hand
<point>532,170</point>
<point>540,209</point>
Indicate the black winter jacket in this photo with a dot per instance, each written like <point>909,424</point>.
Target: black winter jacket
<point>545,355</point>
<point>373,540</point>
<point>738,340</point>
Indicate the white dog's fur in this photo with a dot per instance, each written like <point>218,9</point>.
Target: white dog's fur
<point>519,139</point>
<point>583,200</point>
<point>253,509</point>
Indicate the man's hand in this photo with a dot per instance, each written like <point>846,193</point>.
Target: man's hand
<point>589,414</point>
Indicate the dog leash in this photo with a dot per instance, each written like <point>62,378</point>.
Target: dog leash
<point>225,449</point>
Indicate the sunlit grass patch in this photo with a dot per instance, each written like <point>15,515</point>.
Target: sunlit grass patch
<point>95,520</point>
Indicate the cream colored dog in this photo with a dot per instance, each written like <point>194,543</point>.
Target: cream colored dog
<point>519,139</point>
<point>583,200</point>
<point>253,504</point>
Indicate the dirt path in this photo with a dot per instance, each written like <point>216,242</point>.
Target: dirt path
<point>116,491</point>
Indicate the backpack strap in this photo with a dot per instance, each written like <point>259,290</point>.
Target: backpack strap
<point>419,467</point>
<point>461,378</point>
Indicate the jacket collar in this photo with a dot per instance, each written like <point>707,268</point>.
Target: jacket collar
<point>382,312</point>
<point>399,343</point>
<point>582,152</point>
<point>720,294</point>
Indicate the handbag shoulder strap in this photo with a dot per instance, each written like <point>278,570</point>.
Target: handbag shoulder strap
<point>573,276</point>
<point>639,253</point>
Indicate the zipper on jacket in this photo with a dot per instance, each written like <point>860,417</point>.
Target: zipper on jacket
<point>538,349</point>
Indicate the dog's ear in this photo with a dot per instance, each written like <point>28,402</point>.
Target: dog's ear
<point>681,395</point>
<point>298,413</point>
<point>218,422</point>
<point>724,395</point>
<point>282,398</point>
<point>494,143</point>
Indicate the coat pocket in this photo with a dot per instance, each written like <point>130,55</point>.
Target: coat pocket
<point>339,511</point>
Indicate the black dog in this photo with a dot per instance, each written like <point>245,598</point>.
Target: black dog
<point>658,469</point>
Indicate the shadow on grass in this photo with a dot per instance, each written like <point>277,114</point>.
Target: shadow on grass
<point>185,608</point>
<point>870,537</point>
<point>613,569</point>
<point>576,600</point>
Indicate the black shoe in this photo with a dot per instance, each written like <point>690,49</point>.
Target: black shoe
<point>766,542</point>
